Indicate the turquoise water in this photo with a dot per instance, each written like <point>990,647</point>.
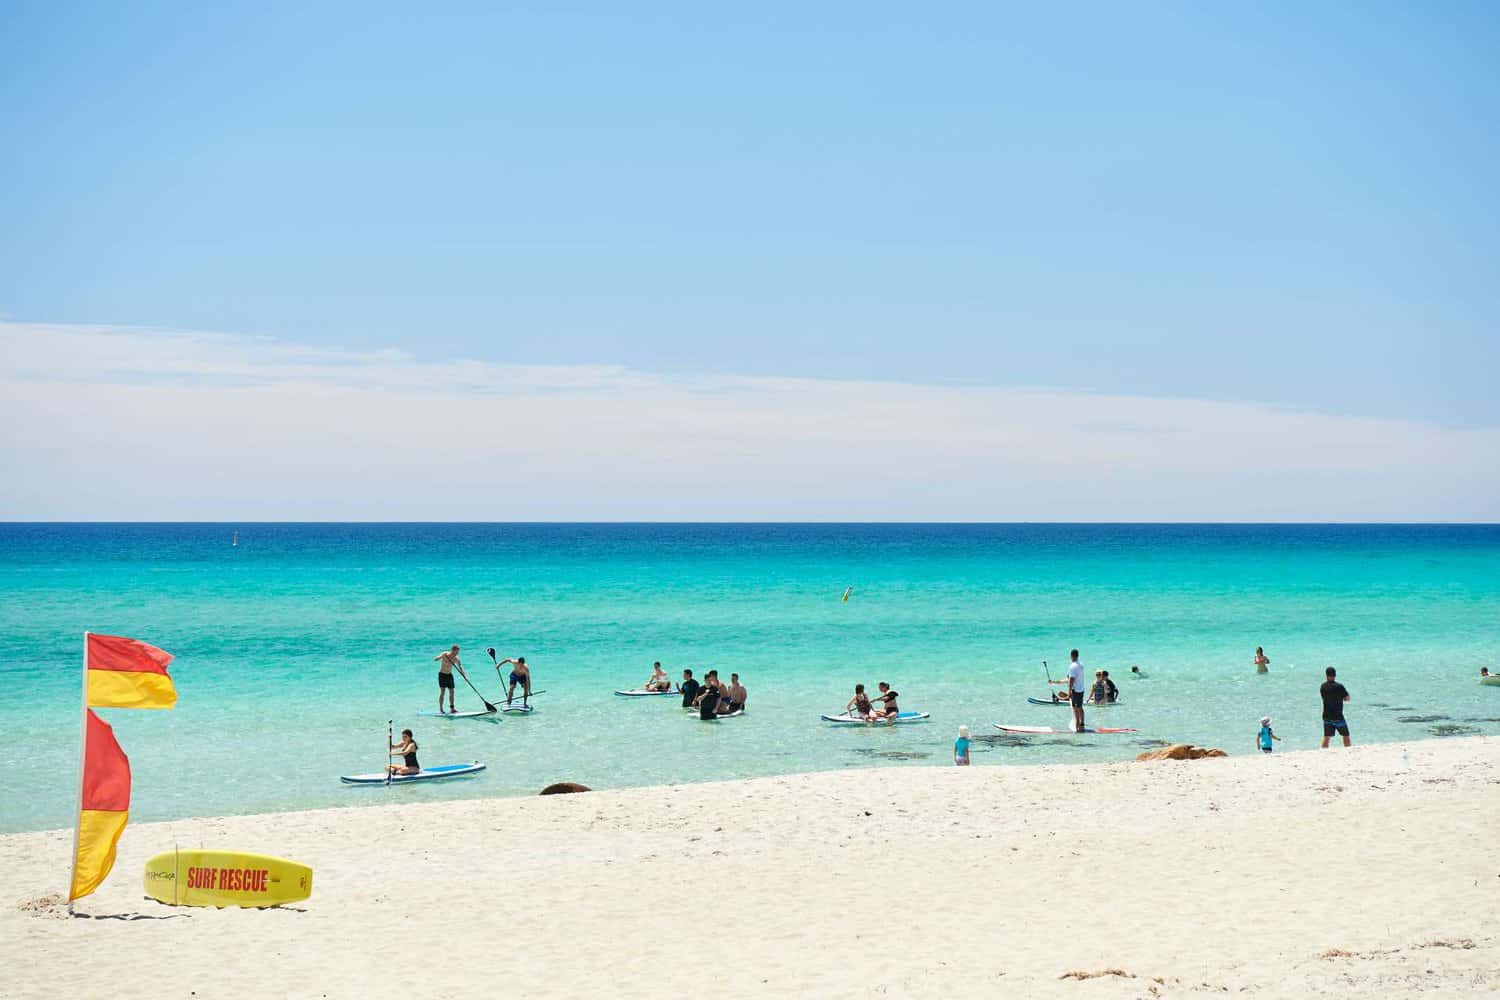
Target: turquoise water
<point>295,648</point>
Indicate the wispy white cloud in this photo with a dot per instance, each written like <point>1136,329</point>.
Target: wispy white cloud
<point>119,423</point>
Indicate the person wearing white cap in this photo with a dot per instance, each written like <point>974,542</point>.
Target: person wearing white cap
<point>961,747</point>
<point>1266,736</point>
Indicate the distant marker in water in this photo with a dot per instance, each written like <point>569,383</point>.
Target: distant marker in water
<point>235,540</point>
<point>847,592</point>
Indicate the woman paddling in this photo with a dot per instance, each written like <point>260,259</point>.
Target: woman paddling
<point>407,748</point>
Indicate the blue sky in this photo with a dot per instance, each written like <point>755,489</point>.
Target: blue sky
<point>1288,204</point>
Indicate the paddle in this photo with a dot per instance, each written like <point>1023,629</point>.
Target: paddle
<point>1050,693</point>
<point>487,706</point>
<point>390,738</point>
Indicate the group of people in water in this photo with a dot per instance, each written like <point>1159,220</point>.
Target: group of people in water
<point>712,697</point>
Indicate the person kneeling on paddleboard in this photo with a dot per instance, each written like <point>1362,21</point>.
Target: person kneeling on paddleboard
<point>407,748</point>
<point>887,709</point>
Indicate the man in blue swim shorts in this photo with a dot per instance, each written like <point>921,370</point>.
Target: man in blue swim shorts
<point>1334,695</point>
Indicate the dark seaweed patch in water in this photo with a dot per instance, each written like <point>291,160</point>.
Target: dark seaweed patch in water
<point>1152,744</point>
<point>1482,720</point>
<point>1404,708</point>
<point>1453,730</point>
<point>1379,704</point>
<point>1424,718</point>
<point>893,754</point>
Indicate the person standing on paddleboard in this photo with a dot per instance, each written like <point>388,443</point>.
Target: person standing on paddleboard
<point>1334,695</point>
<point>1076,690</point>
<point>520,674</point>
<point>446,661</point>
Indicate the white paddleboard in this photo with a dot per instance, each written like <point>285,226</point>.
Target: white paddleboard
<point>854,720</point>
<point>640,693</point>
<point>1050,731</point>
<point>730,715</point>
<point>481,714</point>
<point>518,709</point>
<point>426,774</point>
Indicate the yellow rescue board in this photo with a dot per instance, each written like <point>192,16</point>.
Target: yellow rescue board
<point>197,877</point>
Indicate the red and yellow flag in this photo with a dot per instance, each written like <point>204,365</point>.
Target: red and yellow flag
<point>128,673</point>
<point>105,806</point>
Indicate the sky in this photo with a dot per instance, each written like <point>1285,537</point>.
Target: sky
<point>667,261</point>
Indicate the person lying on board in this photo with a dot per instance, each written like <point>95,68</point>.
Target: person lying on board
<point>407,748</point>
<point>659,680</point>
<point>859,705</point>
<point>887,709</point>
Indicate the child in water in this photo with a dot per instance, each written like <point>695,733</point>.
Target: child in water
<point>961,747</point>
<point>1266,736</point>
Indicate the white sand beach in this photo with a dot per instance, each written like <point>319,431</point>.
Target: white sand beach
<point>1369,872</point>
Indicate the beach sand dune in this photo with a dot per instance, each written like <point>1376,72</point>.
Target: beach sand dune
<point>1371,872</point>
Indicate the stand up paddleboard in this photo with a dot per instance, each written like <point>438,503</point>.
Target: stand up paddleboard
<point>1492,681</point>
<point>196,877</point>
<point>641,693</point>
<point>481,714</point>
<point>426,774</point>
<point>729,715</point>
<point>1049,731</point>
<point>854,720</point>
<point>1065,703</point>
<point>518,709</point>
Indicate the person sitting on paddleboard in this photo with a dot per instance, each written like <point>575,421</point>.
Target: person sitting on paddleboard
<point>736,693</point>
<point>520,674</point>
<point>659,680</point>
<point>689,688</point>
<point>887,709</point>
<point>859,705</point>
<point>446,661</point>
<point>407,748</point>
<point>1111,690</point>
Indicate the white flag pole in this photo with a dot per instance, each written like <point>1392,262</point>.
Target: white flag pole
<point>83,742</point>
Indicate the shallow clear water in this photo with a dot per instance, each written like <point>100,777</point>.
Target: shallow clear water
<point>295,648</point>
